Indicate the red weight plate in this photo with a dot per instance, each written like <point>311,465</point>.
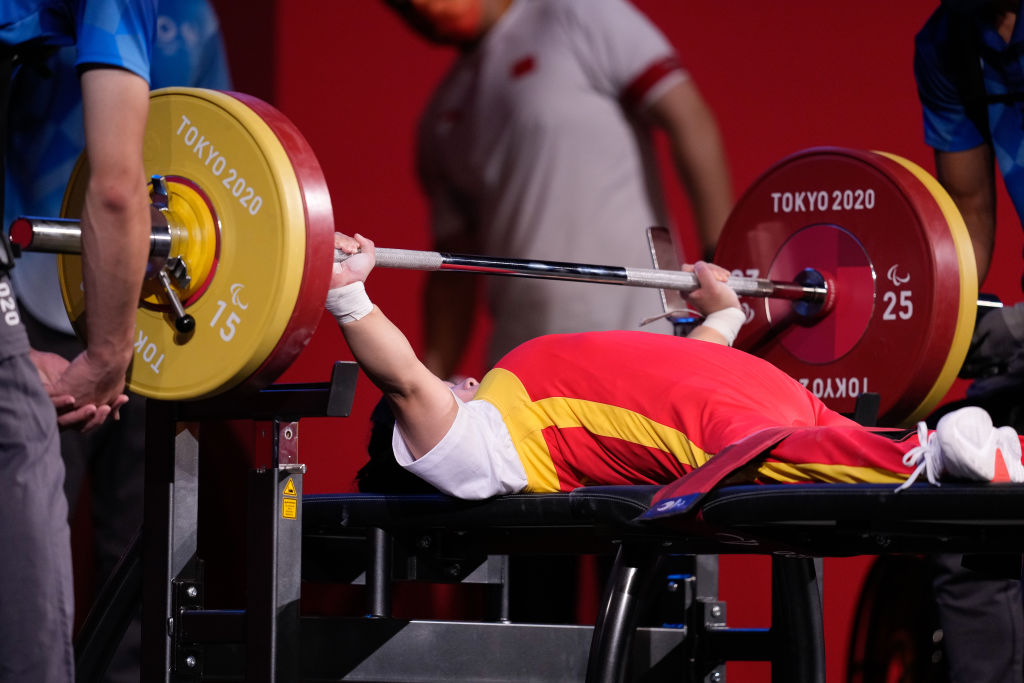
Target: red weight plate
<point>874,229</point>
<point>838,256</point>
<point>316,274</point>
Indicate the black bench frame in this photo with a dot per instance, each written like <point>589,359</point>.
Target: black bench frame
<point>268,640</point>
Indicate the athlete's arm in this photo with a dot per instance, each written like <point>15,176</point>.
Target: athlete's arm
<point>423,405</point>
<point>699,157</point>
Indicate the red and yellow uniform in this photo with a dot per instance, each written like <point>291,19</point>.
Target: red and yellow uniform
<point>640,408</point>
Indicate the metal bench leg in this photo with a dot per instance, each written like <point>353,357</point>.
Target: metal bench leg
<point>632,575</point>
<point>378,574</point>
<point>797,628</point>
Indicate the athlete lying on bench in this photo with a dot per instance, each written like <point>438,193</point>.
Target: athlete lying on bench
<point>564,411</point>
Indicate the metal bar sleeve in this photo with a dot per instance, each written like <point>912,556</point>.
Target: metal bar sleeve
<point>54,235</point>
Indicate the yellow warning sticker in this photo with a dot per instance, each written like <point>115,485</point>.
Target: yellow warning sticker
<point>289,487</point>
<point>289,508</point>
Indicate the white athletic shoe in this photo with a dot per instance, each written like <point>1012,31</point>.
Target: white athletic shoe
<point>965,445</point>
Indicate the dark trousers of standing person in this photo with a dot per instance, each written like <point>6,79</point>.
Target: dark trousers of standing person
<point>979,598</point>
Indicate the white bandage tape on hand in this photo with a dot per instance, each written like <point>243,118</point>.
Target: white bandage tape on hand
<point>726,322</point>
<point>349,303</point>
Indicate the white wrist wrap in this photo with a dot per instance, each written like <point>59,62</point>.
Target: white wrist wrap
<point>349,303</point>
<point>726,322</point>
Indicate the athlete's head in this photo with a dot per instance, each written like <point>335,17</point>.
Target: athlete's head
<point>465,388</point>
<point>452,22</point>
<point>383,474</point>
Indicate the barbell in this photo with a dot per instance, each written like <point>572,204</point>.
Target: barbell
<point>855,267</point>
<point>64,236</point>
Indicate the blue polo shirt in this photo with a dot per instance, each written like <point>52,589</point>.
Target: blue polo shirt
<point>45,114</point>
<point>971,87</point>
<point>112,32</point>
<point>46,135</point>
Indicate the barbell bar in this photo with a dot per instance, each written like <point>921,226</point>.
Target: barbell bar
<point>63,236</point>
<point>244,216</point>
<point>681,281</point>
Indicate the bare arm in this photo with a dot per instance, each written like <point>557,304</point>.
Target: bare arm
<point>115,231</point>
<point>423,404</point>
<point>699,157</point>
<point>969,177</point>
<point>713,296</point>
<point>69,416</point>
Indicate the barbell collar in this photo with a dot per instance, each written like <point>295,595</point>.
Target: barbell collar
<point>183,322</point>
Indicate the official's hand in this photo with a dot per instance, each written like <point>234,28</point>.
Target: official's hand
<point>50,366</point>
<point>357,267</point>
<point>69,415</point>
<point>998,335</point>
<point>93,381</point>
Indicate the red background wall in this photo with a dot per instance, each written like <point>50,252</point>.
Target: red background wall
<point>780,76</point>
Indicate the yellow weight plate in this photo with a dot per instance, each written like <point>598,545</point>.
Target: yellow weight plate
<point>968,276</point>
<point>213,148</point>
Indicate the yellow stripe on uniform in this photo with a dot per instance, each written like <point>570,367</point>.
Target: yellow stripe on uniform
<point>788,473</point>
<point>526,420</point>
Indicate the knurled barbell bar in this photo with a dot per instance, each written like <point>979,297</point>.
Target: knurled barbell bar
<point>63,236</point>
<point>858,268</point>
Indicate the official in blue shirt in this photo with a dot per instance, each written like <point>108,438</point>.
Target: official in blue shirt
<point>969,66</point>
<point>113,40</point>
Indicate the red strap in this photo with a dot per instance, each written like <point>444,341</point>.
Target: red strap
<point>683,494</point>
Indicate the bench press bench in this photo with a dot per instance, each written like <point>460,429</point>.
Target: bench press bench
<point>793,523</point>
<point>374,538</point>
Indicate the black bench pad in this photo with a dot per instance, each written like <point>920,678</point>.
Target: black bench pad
<point>813,519</point>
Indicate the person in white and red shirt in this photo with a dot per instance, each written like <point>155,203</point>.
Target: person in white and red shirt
<point>537,144</point>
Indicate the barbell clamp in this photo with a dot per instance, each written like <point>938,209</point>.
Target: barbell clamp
<point>183,323</point>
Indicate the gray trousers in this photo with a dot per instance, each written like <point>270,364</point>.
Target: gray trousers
<point>110,462</point>
<point>36,593</point>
